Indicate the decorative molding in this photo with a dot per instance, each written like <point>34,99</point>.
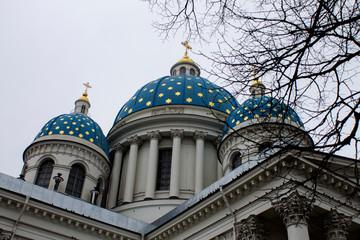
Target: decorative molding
<point>167,110</point>
<point>200,135</point>
<point>4,235</point>
<point>294,209</point>
<point>336,225</point>
<point>135,140</point>
<point>154,135</point>
<point>177,133</point>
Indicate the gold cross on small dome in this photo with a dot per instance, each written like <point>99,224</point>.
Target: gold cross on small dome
<point>186,45</point>
<point>87,85</point>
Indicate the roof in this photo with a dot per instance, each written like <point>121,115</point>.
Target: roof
<point>179,90</point>
<point>262,107</point>
<point>76,125</point>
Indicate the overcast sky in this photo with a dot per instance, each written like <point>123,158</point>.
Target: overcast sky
<point>48,49</point>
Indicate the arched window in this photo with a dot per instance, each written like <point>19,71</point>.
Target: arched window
<point>236,161</point>
<point>182,71</point>
<point>75,181</point>
<point>44,173</point>
<point>174,73</point>
<point>192,71</point>
<point>83,108</point>
<point>164,170</point>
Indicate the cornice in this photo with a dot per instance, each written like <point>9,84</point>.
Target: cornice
<point>58,216</point>
<point>72,149</point>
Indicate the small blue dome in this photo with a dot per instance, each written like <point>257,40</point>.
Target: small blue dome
<point>76,125</point>
<point>261,107</point>
<point>179,90</point>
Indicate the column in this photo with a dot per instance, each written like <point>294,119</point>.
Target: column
<point>152,164</point>
<point>219,171</point>
<point>251,228</point>
<point>295,211</point>
<point>199,160</point>
<point>115,175</point>
<point>131,169</point>
<point>176,135</point>
<point>336,226</point>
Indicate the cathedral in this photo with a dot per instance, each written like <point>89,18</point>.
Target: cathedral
<point>183,160</point>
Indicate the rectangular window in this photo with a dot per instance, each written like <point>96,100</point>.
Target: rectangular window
<point>164,170</point>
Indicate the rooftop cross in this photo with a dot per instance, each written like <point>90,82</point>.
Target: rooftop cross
<point>186,45</point>
<point>87,85</point>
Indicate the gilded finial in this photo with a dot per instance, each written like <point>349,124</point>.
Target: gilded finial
<point>256,78</point>
<point>84,96</point>
<point>186,45</point>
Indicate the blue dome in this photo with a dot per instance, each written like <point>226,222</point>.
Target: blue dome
<point>179,90</point>
<point>261,107</point>
<point>77,125</point>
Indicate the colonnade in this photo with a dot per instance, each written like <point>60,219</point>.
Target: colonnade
<point>154,138</point>
<point>294,210</point>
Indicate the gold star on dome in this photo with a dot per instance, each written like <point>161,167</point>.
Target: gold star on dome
<point>87,133</point>
<point>65,122</point>
<point>178,83</point>
<point>148,103</point>
<point>57,127</point>
<point>177,93</point>
<point>269,115</point>
<point>71,132</point>
<point>50,132</point>
<point>199,84</point>
<point>172,80</point>
<point>211,104</point>
<point>188,78</point>
<point>241,115</point>
<point>220,101</point>
<point>237,122</point>
<point>189,100</point>
<point>80,135</point>
<point>141,99</point>
<point>74,123</point>
<point>61,132</point>
<point>189,87</point>
<point>134,97</point>
<point>168,100</point>
<point>200,94</point>
<point>77,129</point>
<point>245,118</point>
<point>151,90</point>
<point>164,84</point>
<point>227,111</point>
<point>256,116</point>
<point>82,125</point>
<point>91,140</point>
<point>130,110</point>
<point>246,108</point>
<point>280,115</point>
<point>233,121</point>
<point>145,89</point>
<point>170,88</point>
<point>210,91</point>
<point>289,118</point>
<point>262,110</point>
<point>161,94</point>
<point>232,107</point>
<point>68,127</point>
<point>93,130</point>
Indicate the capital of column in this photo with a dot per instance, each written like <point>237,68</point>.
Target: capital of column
<point>177,133</point>
<point>154,135</point>
<point>135,140</point>
<point>294,209</point>
<point>336,225</point>
<point>217,140</point>
<point>118,147</point>
<point>251,228</point>
<point>200,135</point>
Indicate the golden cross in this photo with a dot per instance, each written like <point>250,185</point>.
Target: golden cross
<point>186,45</point>
<point>87,85</point>
<point>255,73</point>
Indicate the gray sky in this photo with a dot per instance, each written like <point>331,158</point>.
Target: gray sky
<point>48,49</point>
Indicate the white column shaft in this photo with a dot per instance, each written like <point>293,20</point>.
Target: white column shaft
<point>152,168</point>
<point>130,174</point>
<point>298,232</point>
<point>114,178</point>
<point>175,168</point>
<point>199,165</point>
